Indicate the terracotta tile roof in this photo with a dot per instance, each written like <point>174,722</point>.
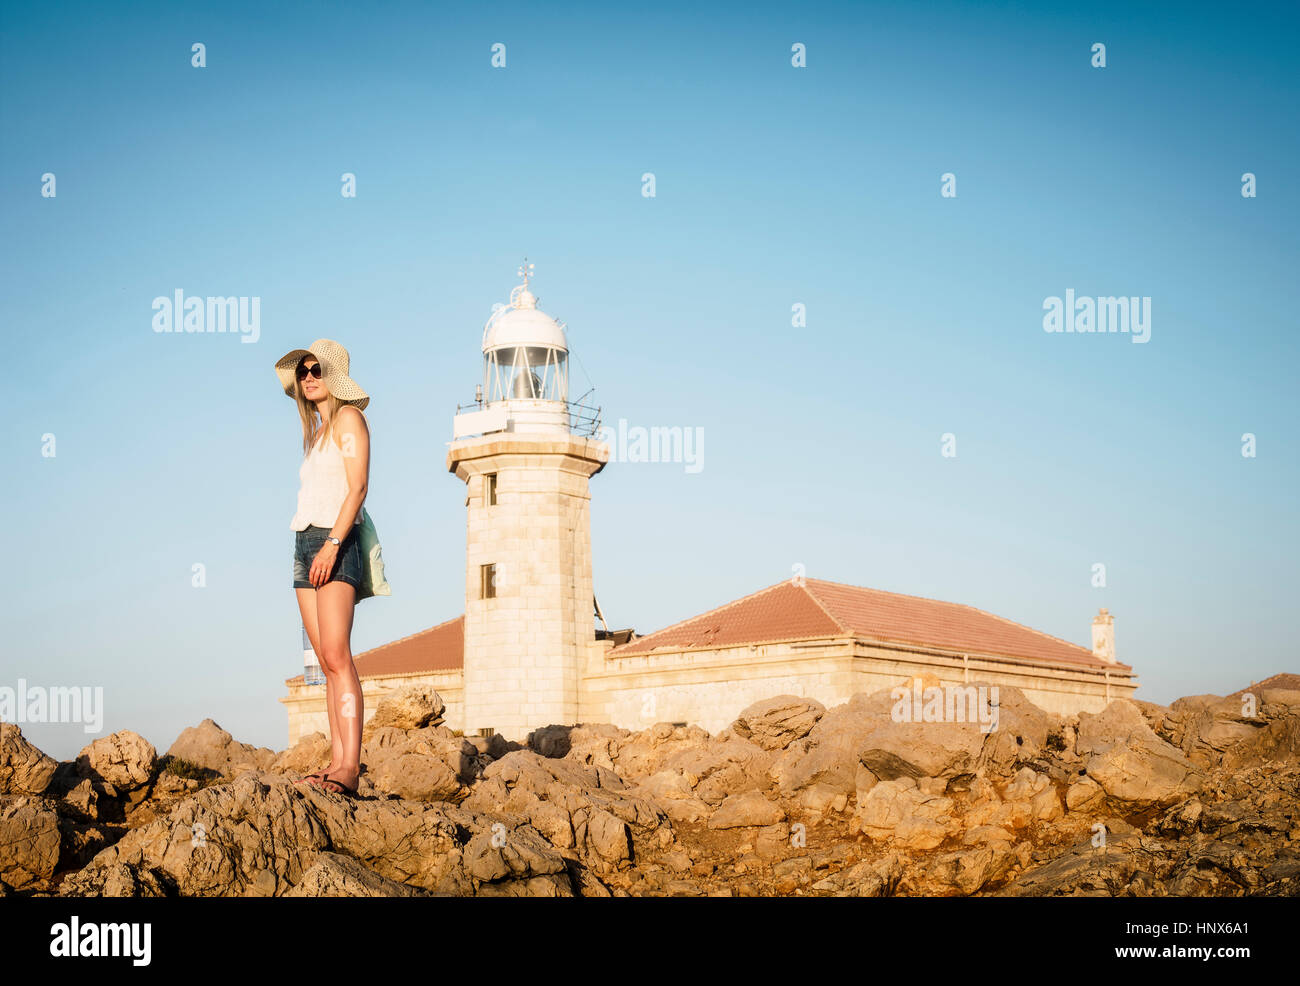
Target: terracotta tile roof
<point>439,648</point>
<point>786,612</point>
<point>1290,682</point>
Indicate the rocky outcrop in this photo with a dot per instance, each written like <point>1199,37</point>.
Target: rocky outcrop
<point>121,764</point>
<point>414,707</point>
<point>336,875</point>
<point>1195,798</point>
<point>1240,730</point>
<point>775,723</point>
<point>29,841</point>
<point>23,768</point>
<point>589,812</point>
<point>1130,762</point>
<point>261,834</point>
<point>746,810</point>
<point>208,745</point>
<point>422,764</point>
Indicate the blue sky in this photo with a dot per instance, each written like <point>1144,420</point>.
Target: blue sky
<point>774,186</point>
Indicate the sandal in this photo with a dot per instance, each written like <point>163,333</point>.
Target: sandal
<point>319,775</point>
<point>350,792</point>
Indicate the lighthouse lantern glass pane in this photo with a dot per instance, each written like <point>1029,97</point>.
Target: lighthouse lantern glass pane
<point>527,372</point>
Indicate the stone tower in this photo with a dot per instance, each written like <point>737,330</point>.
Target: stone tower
<point>525,453</point>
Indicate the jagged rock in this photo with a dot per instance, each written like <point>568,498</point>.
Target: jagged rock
<point>672,791</point>
<point>424,765</point>
<point>596,744</point>
<point>309,754</point>
<point>83,799</point>
<point>590,809</point>
<point>746,809</point>
<point>169,785</point>
<point>499,853</point>
<point>587,810</point>
<point>885,805</point>
<point>1022,729</point>
<point>1046,805</point>
<point>1083,793</point>
<point>336,875</point>
<point>412,707</point>
<point>1129,761</point>
<point>772,841</point>
<point>125,759</point>
<point>774,723</point>
<point>29,841</point>
<point>418,776</point>
<point>1204,727</point>
<point>717,768</point>
<point>791,873</point>
<point>208,745</point>
<point>1083,870</point>
<point>23,768</point>
<point>686,811</point>
<point>1278,739</point>
<point>1026,784</point>
<point>258,835</point>
<point>869,878</point>
<point>649,750</point>
<point>80,843</point>
<point>820,798</point>
<point>914,832</point>
<point>556,885</point>
<point>678,862</point>
<point>962,873</point>
<point>831,752</point>
<point>1183,819</point>
<point>923,749</point>
<point>214,843</point>
<point>986,834</point>
<point>900,812</point>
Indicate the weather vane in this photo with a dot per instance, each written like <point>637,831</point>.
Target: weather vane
<point>526,271</point>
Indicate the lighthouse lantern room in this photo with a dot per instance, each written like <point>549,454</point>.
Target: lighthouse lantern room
<point>525,384</point>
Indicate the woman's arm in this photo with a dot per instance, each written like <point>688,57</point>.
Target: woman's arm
<point>354,440</point>
<point>354,437</point>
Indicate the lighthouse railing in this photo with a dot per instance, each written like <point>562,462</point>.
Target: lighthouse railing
<point>584,419</point>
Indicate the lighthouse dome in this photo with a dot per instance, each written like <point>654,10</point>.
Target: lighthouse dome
<point>522,323</point>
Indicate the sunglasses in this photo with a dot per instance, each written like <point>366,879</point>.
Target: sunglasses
<point>314,370</point>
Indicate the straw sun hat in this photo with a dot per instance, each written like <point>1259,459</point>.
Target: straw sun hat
<point>333,360</point>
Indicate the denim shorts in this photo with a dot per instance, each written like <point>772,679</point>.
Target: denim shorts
<point>347,563</point>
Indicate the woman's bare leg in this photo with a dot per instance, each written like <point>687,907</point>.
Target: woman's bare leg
<point>335,607</point>
<point>307,606</point>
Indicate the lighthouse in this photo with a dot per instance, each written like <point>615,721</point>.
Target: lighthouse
<point>526,453</point>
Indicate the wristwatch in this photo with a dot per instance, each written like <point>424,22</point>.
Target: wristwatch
<point>334,541</point>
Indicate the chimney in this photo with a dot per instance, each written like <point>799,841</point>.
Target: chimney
<point>1103,636</point>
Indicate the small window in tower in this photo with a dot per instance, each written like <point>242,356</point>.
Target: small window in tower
<point>489,489</point>
<point>487,581</point>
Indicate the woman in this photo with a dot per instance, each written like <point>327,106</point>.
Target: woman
<point>328,568</point>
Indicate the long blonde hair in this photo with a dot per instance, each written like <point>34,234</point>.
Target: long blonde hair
<point>310,416</point>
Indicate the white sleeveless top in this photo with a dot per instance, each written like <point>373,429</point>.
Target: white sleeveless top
<point>324,487</point>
